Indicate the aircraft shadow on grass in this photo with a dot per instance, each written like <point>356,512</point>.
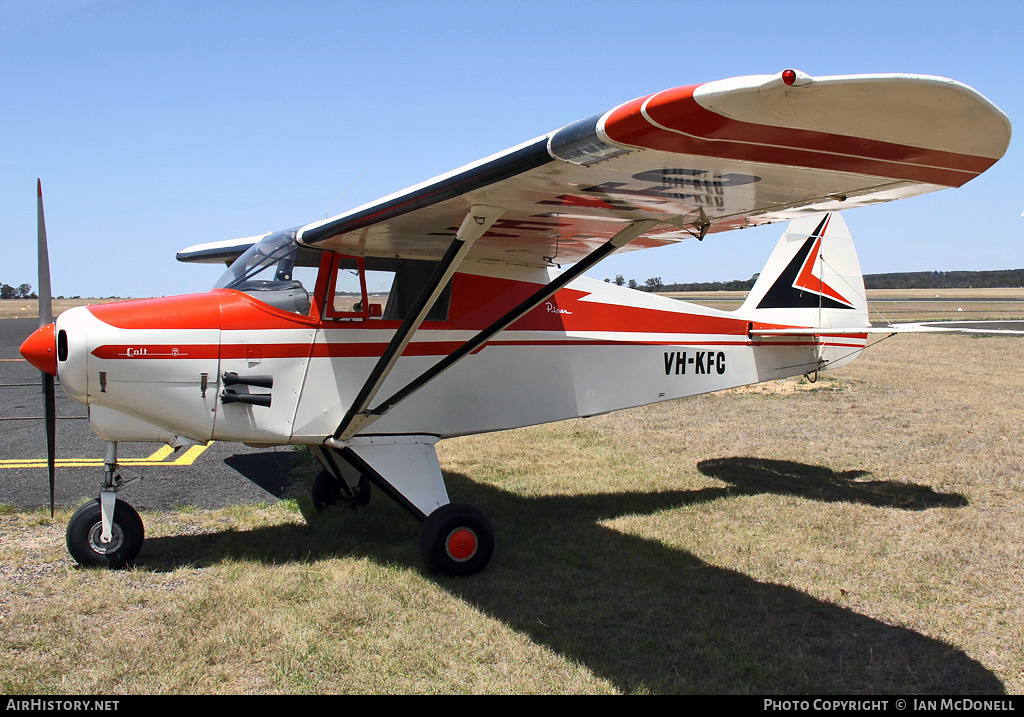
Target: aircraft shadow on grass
<point>268,469</point>
<point>642,615</point>
<point>753,476</point>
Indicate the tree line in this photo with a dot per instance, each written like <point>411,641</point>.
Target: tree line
<point>995,279</point>
<point>947,280</point>
<point>22,291</point>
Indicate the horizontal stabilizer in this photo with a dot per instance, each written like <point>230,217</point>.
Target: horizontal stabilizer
<point>854,331</point>
<point>960,327</point>
<point>934,327</point>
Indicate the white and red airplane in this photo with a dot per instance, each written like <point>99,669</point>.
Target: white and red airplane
<point>441,310</point>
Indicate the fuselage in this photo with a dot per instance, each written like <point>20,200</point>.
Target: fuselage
<point>160,369</point>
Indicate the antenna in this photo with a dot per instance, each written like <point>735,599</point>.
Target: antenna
<point>328,213</point>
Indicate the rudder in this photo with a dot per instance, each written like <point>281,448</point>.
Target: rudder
<point>812,278</point>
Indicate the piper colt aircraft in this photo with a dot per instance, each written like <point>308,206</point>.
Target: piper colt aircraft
<point>442,310</point>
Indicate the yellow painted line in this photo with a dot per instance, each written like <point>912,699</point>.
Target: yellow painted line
<point>160,453</point>
<point>13,359</point>
<point>187,458</point>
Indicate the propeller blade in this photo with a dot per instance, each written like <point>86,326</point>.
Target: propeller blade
<point>45,318</point>
<point>45,305</point>
<point>50,416</point>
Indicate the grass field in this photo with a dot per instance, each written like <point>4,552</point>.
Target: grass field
<point>863,534</point>
<point>29,308</point>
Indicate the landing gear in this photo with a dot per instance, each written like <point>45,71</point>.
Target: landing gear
<point>85,535</point>
<point>328,493</point>
<point>106,532</point>
<point>339,483</point>
<point>456,539</point>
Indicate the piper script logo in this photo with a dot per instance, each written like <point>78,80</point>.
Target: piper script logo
<point>552,309</point>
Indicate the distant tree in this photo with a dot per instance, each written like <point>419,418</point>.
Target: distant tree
<point>632,284</point>
<point>654,284</point>
<point>903,280</point>
<point>8,292</point>
<point>24,291</point>
<point>619,281</point>
<point>607,281</point>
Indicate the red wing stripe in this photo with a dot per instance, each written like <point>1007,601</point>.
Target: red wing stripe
<point>673,121</point>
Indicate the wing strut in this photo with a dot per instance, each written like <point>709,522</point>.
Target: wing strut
<point>478,220</point>
<point>347,428</point>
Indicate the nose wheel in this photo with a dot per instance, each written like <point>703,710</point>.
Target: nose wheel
<point>85,536</point>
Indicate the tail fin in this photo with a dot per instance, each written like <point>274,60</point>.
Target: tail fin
<point>812,279</point>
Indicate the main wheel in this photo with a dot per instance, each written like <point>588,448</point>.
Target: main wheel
<point>327,492</point>
<point>457,539</point>
<point>86,526</point>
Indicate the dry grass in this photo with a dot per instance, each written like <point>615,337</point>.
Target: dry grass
<point>29,308</point>
<point>894,494</point>
<point>901,305</point>
<point>255,602</point>
<point>864,534</point>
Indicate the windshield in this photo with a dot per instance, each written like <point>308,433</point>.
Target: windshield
<point>271,270</point>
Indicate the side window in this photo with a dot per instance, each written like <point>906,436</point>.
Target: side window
<point>355,292</point>
<point>374,288</point>
<point>346,287</point>
<point>306,278</point>
<point>410,279</point>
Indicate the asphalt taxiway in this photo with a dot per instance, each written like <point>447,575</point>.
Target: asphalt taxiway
<point>211,477</point>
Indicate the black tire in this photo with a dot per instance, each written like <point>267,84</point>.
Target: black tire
<point>456,539</point>
<point>83,536</point>
<point>327,493</point>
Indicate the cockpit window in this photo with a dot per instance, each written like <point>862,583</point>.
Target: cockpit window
<point>276,271</point>
<point>385,288</point>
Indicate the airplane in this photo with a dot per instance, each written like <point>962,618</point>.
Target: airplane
<point>443,309</point>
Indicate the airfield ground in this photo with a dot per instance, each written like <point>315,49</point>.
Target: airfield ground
<point>902,305</point>
<point>863,534</point>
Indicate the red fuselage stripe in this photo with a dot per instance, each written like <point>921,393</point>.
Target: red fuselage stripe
<point>152,352</point>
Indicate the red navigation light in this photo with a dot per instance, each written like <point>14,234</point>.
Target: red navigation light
<point>789,76</point>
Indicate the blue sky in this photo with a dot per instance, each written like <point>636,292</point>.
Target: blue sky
<point>157,125</point>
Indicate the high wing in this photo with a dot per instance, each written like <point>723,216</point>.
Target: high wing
<point>219,251</point>
<point>699,159</point>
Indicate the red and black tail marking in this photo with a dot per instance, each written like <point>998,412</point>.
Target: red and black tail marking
<point>797,286</point>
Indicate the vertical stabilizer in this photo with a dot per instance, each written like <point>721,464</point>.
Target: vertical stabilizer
<point>812,279</point>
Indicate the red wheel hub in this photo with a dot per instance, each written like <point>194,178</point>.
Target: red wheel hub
<point>461,544</point>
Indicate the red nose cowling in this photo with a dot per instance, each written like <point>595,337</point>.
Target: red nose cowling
<point>40,349</point>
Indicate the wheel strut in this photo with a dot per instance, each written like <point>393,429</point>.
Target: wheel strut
<point>106,532</point>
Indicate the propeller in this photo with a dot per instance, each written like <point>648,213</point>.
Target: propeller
<point>46,320</point>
